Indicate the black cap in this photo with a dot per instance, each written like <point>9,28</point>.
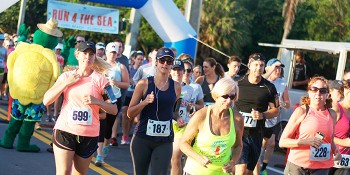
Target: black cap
<point>83,46</point>
<point>178,64</point>
<point>165,52</point>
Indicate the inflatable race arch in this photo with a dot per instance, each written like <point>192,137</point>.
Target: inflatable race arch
<point>166,19</point>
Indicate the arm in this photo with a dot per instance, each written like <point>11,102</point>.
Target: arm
<point>176,114</point>
<point>334,148</point>
<point>237,147</point>
<point>200,80</point>
<point>135,106</point>
<point>192,129</point>
<point>55,91</point>
<point>342,142</point>
<point>124,84</point>
<point>199,104</point>
<point>286,98</point>
<point>287,139</point>
<point>269,114</point>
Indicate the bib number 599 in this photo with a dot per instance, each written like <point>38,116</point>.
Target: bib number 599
<point>80,115</point>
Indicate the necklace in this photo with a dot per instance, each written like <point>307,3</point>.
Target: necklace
<point>157,92</point>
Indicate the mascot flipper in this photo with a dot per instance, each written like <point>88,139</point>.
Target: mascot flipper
<point>32,70</point>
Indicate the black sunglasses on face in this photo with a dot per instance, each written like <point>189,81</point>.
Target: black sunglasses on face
<point>188,70</point>
<point>315,89</point>
<point>168,61</point>
<point>232,97</point>
<point>80,41</point>
<point>257,57</point>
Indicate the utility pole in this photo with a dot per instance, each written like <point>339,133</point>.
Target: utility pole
<point>22,13</point>
<point>193,10</point>
<point>135,21</point>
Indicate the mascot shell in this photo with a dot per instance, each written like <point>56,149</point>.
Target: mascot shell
<point>32,70</point>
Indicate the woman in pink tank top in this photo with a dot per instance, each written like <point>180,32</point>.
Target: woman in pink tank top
<point>342,132</point>
<point>309,133</point>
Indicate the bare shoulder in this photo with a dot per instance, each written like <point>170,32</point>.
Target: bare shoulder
<point>237,115</point>
<point>299,114</point>
<point>142,83</point>
<point>200,115</point>
<point>333,113</point>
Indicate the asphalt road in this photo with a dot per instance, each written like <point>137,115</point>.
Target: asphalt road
<point>118,161</point>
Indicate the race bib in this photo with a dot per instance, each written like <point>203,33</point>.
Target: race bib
<point>248,120</point>
<point>184,114</point>
<point>344,162</point>
<point>82,116</point>
<point>208,103</point>
<point>158,128</point>
<point>322,153</point>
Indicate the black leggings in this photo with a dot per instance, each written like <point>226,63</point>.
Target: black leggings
<point>145,152</point>
<point>110,120</point>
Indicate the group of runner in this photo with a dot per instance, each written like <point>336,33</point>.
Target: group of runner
<point>224,123</point>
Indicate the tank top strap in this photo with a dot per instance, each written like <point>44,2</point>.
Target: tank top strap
<point>341,110</point>
<point>232,119</point>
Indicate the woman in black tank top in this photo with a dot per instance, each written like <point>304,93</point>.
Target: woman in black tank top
<point>213,71</point>
<point>152,142</point>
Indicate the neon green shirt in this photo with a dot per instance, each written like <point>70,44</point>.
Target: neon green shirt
<point>216,148</point>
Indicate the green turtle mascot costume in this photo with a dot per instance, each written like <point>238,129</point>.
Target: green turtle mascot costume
<point>32,70</point>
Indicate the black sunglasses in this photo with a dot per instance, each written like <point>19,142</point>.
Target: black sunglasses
<point>315,89</point>
<point>80,41</point>
<point>168,61</point>
<point>232,97</point>
<point>257,57</point>
<point>188,70</point>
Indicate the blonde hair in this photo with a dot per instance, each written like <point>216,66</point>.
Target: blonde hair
<point>100,65</point>
<point>224,86</point>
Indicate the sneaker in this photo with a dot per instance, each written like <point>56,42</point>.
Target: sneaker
<point>49,118</point>
<point>99,161</point>
<point>263,172</point>
<point>105,151</point>
<point>113,142</point>
<point>123,142</point>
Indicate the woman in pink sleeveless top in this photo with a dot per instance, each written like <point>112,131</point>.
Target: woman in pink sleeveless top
<point>342,132</point>
<point>309,133</point>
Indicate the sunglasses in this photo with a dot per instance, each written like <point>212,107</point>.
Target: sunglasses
<point>80,41</point>
<point>188,70</point>
<point>315,89</point>
<point>232,97</point>
<point>168,61</point>
<point>257,57</point>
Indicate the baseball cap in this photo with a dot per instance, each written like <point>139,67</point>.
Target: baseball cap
<point>178,64</point>
<point>100,45</point>
<point>2,37</point>
<point>59,46</point>
<point>165,52</point>
<point>273,60</point>
<point>335,84</point>
<point>83,46</point>
<point>112,47</point>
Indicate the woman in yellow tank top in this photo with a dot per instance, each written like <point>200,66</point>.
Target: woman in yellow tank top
<point>217,130</point>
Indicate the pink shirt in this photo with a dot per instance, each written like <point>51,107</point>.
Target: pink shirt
<point>342,130</point>
<point>73,106</point>
<point>315,121</point>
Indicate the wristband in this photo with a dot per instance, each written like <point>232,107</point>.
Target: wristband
<point>263,116</point>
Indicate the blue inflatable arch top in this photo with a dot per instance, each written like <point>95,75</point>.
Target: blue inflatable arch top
<point>166,19</point>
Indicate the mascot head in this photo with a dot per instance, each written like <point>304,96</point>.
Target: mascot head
<point>47,35</point>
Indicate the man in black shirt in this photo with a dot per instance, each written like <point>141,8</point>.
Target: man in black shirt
<point>257,101</point>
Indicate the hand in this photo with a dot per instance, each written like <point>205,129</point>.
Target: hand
<point>180,122</point>
<point>337,156</point>
<point>90,100</point>
<point>204,161</point>
<point>149,98</point>
<point>228,168</point>
<point>71,42</point>
<point>314,141</point>
<point>256,115</point>
<point>73,78</point>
